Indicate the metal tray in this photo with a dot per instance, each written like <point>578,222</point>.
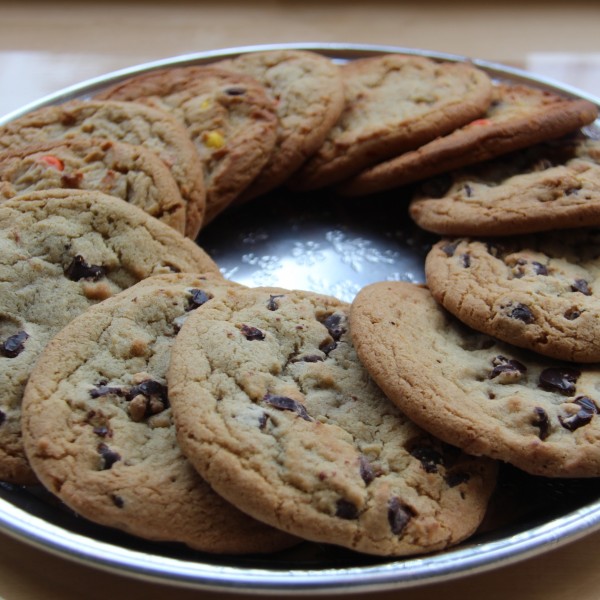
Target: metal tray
<point>315,242</point>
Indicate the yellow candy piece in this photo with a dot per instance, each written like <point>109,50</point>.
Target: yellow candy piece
<point>213,139</point>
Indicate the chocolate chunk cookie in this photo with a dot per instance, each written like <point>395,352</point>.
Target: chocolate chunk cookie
<point>60,252</point>
<point>229,116</point>
<point>519,116</point>
<point>98,430</point>
<point>274,409</point>
<point>309,96</point>
<point>527,192</point>
<point>394,103</point>
<point>129,122</point>
<point>129,172</point>
<point>539,293</point>
<point>487,397</point>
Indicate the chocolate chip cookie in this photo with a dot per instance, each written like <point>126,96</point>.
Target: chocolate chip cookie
<point>129,172</point>
<point>229,116</point>
<point>62,251</point>
<point>519,116</point>
<point>545,187</point>
<point>274,409</point>
<point>129,122</point>
<point>539,293</point>
<point>98,430</point>
<point>487,397</point>
<point>394,103</point>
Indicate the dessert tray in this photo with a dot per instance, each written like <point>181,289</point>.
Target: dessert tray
<point>318,242</point>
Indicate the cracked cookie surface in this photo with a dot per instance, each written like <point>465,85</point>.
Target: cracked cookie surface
<point>62,251</point>
<point>550,186</point>
<point>98,430</point>
<point>129,122</point>
<point>487,397</point>
<point>540,293</point>
<point>274,409</point>
<point>129,172</point>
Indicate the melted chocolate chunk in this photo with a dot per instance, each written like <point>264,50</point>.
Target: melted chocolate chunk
<point>117,500</point>
<point>109,458</point>
<point>346,510</point>
<point>197,298</point>
<point>582,417</point>
<point>398,515</point>
<point>79,269</point>
<point>272,303</point>
<point>429,458</point>
<point>508,367</point>
<point>285,403</point>
<point>521,312</point>
<point>542,422</point>
<point>454,479</point>
<point>465,260</point>
<point>334,324</point>
<point>72,181</point>
<point>149,388</point>
<point>581,285</point>
<point>450,249</point>
<point>572,314</point>
<point>235,91</point>
<point>252,333</point>
<point>327,347</point>
<point>311,358</point>
<point>2,418</point>
<point>105,390</point>
<point>561,380</point>
<point>539,268</point>
<point>14,345</point>
<point>366,470</point>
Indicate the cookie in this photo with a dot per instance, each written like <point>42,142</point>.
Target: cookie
<point>519,116</point>
<point>129,172</point>
<point>485,396</point>
<point>539,293</point>
<point>514,195</point>
<point>394,103</point>
<point>309,96</point>
<point>98,431</point>
<point>62,251</point>
<point>274,409</point>
<point>129,122</point>
<point>229,116</point>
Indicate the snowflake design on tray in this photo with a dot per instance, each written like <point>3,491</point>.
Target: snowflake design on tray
<point>266,267</point>
<point>356,252</point>
<point>307,253</point>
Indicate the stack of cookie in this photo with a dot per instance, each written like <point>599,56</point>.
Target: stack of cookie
<point>150,394</point>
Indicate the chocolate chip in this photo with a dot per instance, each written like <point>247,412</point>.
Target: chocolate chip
<point>285,403</point>
<point>450,249</point>
<point>561,380</point>
<point>235,91</point>
<point>508,369</point>
<point>581,285</point>
<point>2,418</point>
<point>310,358</point>
<point>14,345</point>
<point>582,417</point>
<point>272,303</point>
<point>327,346</point>
<point>102,431</point>
<point>334,324</point>
<point>109,458</point>
<point>429,458</point>
<point>366,470</point>
<point>521,312</point>
<point>454,479</point>
<point>149,388</point>
<point>117,500</point>
<point>79,269</point>
<point>72,181</point>
<point>465,260</point>
<point>539,268</point>
<point>468,190</point>
<point>197,298</point>
<point>345,510</point>
<point>572,314</point>
<point>105,390</point>
<point>262,421</point>
<point>252,333</point>
<point>398,515</point>
<point>542,422</point>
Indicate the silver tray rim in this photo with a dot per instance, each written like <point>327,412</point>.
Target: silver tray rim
<point>462,561</point>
